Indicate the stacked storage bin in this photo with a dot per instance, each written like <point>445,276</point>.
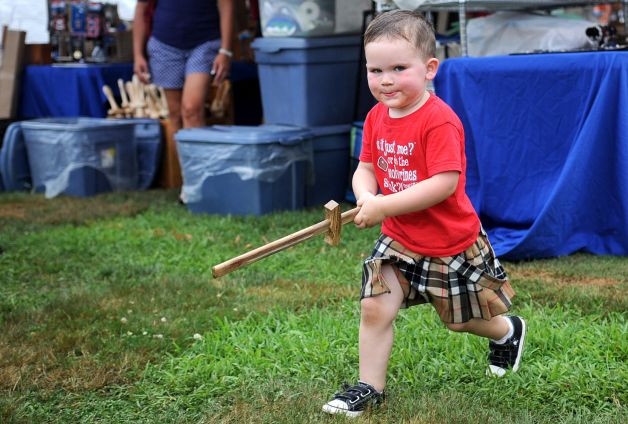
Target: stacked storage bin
<point>80,156</point>
<point>244,170</point>
<point>311,83</point>
<point>15,172</point>
<point>308,90</point>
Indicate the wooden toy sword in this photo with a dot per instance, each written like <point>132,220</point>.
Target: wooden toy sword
<point>331,226</point>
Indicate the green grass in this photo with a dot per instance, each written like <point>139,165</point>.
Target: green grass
<point>101,299</point>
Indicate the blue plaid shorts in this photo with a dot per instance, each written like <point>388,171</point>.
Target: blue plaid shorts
<point>169,65</point>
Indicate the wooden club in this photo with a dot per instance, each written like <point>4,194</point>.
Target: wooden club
<point>332,226</point>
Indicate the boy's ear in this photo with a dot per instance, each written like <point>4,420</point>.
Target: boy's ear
<point>432,68</point>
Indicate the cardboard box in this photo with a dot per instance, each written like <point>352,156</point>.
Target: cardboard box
<point>169,175</point>
<point>38,54</point>
<point>10,72</point>
<point>9,90</point>
<point>13,54</point>
<point>122,47</point>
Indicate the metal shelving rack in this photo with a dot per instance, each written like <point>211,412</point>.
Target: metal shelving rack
<point>464,6</point>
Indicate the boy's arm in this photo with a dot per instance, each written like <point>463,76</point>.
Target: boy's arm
<point>364,187</point>
<point>364,182</point>
<point>420,196</point>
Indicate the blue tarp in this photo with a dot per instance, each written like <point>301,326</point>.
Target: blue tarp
<point>547,149</point>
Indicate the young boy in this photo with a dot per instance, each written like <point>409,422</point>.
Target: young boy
<point>432,248</point>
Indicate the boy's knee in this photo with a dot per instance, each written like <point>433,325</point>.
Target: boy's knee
<point>373,311</point>
<point>458,327</point>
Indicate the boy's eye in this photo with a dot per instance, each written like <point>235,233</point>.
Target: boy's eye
<point>375,71</point>
<point>399,68</point>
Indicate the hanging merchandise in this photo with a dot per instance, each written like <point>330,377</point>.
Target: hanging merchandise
<point>291,18</point>
<point>78,17</point>
<point>94,20</point>
<point>58,16</point>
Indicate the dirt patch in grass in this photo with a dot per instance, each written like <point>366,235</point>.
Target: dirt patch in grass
<point>282,290</point>
<point>68,210</point>
<point>562,280</point>
<point>586,292</point>
<point>36,209</point>
<point>50,361</point>
<point>12,210</point>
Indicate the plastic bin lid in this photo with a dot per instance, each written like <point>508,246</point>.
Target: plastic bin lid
<point>243,134</point>
<point>276,44</point>
<point>329,130</point>
<point>74,124</point>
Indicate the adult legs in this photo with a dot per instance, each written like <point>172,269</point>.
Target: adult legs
<point>173,97</point>
<point>376,330</point>
<point>192,106</point>
<point>186,107</point>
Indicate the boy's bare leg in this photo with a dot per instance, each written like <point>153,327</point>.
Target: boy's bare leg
<point>376,331</point>
<point>494,329</point>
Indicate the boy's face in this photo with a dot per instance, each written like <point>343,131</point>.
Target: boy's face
<point>397,74</point>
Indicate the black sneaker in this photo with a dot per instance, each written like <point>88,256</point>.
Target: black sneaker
<point>354,400</point>
<point>508,355</point>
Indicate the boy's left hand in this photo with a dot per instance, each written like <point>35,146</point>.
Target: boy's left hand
<point>371,211</point>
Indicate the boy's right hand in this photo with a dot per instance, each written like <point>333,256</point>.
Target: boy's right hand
<point>371,213</point>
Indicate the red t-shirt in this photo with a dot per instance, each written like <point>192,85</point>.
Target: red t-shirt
<point>407,150</point>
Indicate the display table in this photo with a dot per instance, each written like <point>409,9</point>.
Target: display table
<point>464,6</point>
<point>547,149</point>
<point>69,90</point>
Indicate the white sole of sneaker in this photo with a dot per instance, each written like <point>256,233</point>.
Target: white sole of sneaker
<point>521,343</point>
<point>333,410</point>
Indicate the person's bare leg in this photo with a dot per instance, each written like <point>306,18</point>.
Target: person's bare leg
<point>494,329</point>
<point>376,331</point>
<point>173,98</point>
<point>195,90</point>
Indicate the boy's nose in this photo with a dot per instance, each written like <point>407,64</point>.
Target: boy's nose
<point>386,79</point>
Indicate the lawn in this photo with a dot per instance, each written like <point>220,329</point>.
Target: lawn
<point>109,314</point>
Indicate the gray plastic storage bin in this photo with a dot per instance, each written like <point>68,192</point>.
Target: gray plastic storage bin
<point>331,164</point>
<point>308,81</point>
<point>81,156</point>
<point>244,170</point>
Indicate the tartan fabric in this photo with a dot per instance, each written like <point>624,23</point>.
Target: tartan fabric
<point>472,284</point>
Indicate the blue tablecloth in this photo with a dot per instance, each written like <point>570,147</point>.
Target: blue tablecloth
<point>547,149</point>
<point>69,90</point>
<point>76,89</point>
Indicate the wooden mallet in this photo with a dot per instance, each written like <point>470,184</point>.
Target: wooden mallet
<point>331,226</point>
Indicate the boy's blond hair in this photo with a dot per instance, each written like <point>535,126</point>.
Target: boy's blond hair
<point>405,24</point>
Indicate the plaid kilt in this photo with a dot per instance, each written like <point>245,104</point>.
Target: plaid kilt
<point>471,284</point>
